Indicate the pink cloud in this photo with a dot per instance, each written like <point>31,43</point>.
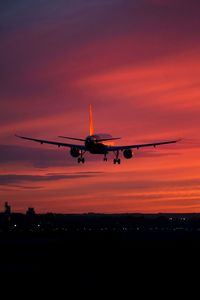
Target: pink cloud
<point>138,64</point>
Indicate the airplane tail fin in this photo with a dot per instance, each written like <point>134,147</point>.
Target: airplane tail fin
<point>91,121</point>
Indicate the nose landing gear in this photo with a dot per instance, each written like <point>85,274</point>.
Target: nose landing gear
<point>117,160</point>
<point>105,157</point>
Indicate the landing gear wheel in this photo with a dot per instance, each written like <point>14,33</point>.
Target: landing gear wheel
<point>81,159</point>
<point>116,160</point>
<point>105,159</point>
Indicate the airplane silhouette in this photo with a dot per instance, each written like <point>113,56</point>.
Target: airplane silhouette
<point>97,144</point>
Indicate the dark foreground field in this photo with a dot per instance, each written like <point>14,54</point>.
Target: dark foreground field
<point>91,261</point>
<point>93,254</point>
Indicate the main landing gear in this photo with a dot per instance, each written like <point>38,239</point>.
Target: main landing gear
<point>81,158</point>
<point>117,160</point>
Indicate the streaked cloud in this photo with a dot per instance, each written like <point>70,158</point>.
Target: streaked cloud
<point>25,178</point>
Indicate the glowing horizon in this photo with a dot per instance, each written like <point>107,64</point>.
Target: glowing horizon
<point>137,64</point>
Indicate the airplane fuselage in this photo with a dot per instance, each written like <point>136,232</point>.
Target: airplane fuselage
<point>93,146</point>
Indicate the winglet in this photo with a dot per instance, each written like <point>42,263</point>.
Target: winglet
<point>91,121</point>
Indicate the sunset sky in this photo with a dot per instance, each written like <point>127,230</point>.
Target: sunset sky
<point>138,64</point>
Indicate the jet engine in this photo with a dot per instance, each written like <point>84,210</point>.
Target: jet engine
<point>128,153</point>
<point>74,152</point>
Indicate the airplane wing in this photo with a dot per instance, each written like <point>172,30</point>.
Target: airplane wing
<point>116,148</point>
<point>81,147</point>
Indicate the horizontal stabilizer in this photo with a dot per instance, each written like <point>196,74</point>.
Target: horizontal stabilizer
<point>71,138</point>
<point>107,139</point>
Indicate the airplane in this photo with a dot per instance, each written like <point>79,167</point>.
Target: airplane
<point>97,144</point>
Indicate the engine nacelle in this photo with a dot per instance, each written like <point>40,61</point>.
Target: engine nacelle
<point>74,152</point>
<point>128,153</point>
